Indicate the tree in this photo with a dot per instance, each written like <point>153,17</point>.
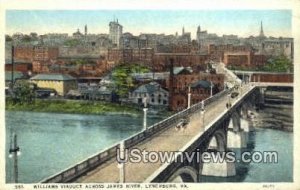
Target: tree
<point>26,38</point>
<point>23,92</point>
<point>279,64</point>
<point>71,43</point>
<point>8,38</point>
<point>123,79</point>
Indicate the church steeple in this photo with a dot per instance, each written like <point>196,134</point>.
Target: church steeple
<point>261,34</point>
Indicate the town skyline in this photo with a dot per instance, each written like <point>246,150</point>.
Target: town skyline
<point>245,23</point>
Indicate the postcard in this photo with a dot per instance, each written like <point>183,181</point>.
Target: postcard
<point>149,94</point>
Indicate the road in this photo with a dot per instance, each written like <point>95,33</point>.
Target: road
<point>169,140</point>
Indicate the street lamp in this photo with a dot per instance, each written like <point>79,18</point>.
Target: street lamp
<point>145,113</point>
<point>211,89</point>
<point>14,152</point>
<point>202,112</point>
<point>189,97</point>
<point>121,165</point>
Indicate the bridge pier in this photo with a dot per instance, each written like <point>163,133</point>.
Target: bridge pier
<point>219,169</point>
<point>216,148</point>
<point>236,139</point>
<point>245,125</point>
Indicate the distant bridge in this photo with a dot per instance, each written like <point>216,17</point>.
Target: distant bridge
<point>217,124</point>
<point>260,76</point>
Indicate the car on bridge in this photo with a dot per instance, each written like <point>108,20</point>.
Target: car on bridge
<point>182,124</point>
<point>234,94</point>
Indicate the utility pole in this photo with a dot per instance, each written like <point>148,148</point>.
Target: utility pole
<point>14,152</point>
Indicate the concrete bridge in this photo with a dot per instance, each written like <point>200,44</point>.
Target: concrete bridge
<point>217,124</point>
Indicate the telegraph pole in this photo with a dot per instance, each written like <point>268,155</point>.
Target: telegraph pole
<point>14,152</point>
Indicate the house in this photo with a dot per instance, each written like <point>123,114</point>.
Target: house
<point>201,90</point>
<point>61,83</point>
<point>153,92</point>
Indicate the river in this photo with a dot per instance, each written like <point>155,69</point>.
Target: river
<point>51,142</point>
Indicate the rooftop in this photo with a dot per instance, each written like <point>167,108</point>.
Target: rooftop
<point>149,88</point>
<point>201,84</point>
<point>179,70</point>
<point>17,75</point>
<point>55,77</point>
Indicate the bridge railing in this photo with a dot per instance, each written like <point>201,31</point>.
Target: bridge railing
<point>110,153</point>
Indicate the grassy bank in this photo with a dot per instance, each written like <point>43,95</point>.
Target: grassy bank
<point>71,106</point>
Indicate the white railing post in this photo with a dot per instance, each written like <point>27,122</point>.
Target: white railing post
<point>122,164</point>
<point>189,97</point>
<point>145,109</point>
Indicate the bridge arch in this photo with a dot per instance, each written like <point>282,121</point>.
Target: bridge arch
<point>244,110</point>
<point>235,121</point>
<point>184,174</point>
<point>218,141</point>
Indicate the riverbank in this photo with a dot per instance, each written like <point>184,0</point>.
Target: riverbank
<point>272,118</point>
<point>72,106</point>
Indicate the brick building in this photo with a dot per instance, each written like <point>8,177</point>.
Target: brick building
<point>200,90</point>
<point>179,82</point>
<point>246,59</point>
<point>130,55</point>
<point>36,53</point>
<point>44,53</point>
<point>272,77</point>
<point>24,67</point>
<point>74,66</point>
<point>195,61</point>
<point>216,52</point>
<point>237,58</point>
<point>24,53</point>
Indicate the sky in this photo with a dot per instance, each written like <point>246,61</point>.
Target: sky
<point>239,22</point>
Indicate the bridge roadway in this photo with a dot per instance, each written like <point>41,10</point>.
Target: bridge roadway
<point>168,140</point>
